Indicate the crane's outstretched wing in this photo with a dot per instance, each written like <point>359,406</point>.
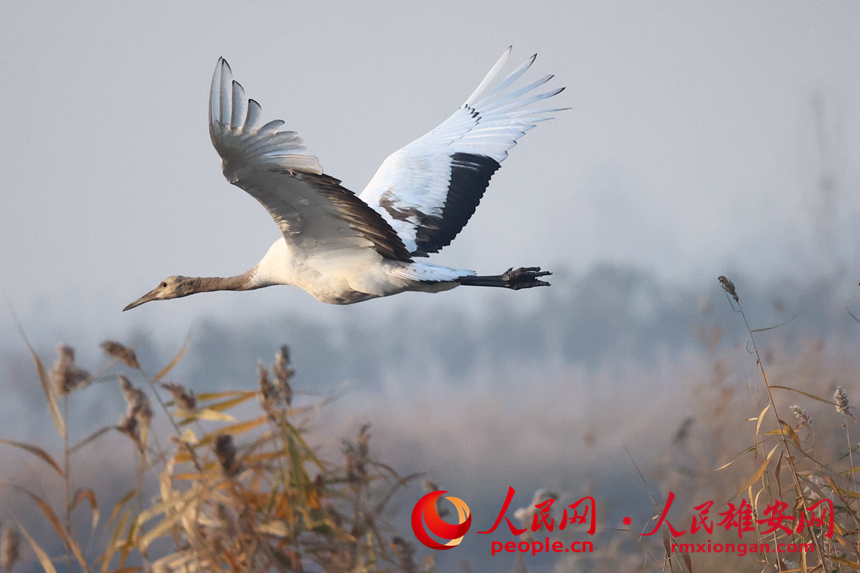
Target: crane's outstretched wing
<point>428,190</point>
<point>313,211</point>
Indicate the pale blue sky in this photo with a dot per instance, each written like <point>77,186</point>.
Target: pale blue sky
<point>690,147</point>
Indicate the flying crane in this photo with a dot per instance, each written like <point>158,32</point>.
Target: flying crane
<point>344,248</point>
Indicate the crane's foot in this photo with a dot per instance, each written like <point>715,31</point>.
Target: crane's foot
<point>524,277</point>
<point>514,279</point>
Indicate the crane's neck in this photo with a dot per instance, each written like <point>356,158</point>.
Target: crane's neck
<point>245,281</point>
<point>273,269</point>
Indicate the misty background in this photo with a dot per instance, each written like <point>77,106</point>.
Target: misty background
<point>702,139</point>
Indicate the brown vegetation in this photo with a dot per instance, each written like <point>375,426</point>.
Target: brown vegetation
<point>250,495</point>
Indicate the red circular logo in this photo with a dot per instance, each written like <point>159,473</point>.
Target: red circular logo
<point>453,533</point>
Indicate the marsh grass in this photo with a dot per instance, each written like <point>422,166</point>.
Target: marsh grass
<point>776,439</point>
<point>803,491</point>
<point>767,425</point>
<point>232,481</point>
<point>230,494</point>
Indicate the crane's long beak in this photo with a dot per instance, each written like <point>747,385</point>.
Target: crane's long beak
<point>151,295</point>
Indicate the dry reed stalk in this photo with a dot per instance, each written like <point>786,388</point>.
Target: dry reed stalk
<point>65,375</point>
<point>283,373</point>
<point>122,353</point>
<point>803,416</point>
<point>268,396</point>
<point>729,287</point>
<point>183,398</point>
<point>225,451</point>
<point>841,397</point>
<point>10,549</point>
<point>138,403</point>
<point>405,554</point>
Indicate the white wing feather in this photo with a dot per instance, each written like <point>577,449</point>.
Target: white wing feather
<point>241,144</point>
<point>411,187</point>
<point>314,213</point>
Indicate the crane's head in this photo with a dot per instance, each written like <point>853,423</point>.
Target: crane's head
<point>171,287</point>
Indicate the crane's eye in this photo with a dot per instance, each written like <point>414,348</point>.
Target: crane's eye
<point>163,285</point>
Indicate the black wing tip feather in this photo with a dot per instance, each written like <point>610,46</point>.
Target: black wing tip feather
<point>470,177</point>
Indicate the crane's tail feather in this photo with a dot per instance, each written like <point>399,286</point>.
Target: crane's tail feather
<point>523,277</point>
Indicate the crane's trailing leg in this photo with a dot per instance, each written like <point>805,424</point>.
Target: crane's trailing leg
<point>523,277</point>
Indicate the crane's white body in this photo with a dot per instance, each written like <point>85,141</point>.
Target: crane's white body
<point>342,248</point>
<point>353,276</point>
